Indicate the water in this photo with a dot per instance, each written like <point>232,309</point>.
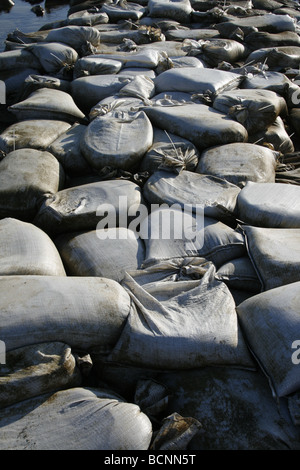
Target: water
<point>21,17</point>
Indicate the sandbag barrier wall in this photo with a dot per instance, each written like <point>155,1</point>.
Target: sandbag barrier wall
<point>173,102</point>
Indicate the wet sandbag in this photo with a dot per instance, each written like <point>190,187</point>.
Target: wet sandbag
<point>79,38</point>
<point>277,58</point>
<point>83,207</point>
<point>216,196</point>
<point>271,324</point>
<point>27,250</point>
<point>201,124</point>
<point>214,51</point>
<point>88,313</point>
<point>26,176</point>
<point>169,232</point>
<point>33,370</point>
<point>32,133</point>
<point>14,82</point>
<point>75,419</point>
<point>255,109</point>
<point>66,148</point>
<point>88,91</point>
<point>181,325</point>
<point>275,136</point>
<point>239,163</point>
<point>262,39</point>
<point>239,274</point>
<point>117,139</point>
<point>169,151</point>
<point>216,396</point>
<point>275,254</point>
<point>141,87</point>
<point>269,22</point>
<point>117,103</point>
<point>47,103</point>
<point>18,59</point>
<point>103,252</point>
<point>273,205</point>
<point>54,56</point>
<point>195,80</point>
<point>33,82</point>
<point>87,18</point>
<point>95,66</point>
<point>123,11</point>
<point>179,10</point>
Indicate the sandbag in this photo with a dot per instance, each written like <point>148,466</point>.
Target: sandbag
<point>105,253</point>
<point>33,82</point>
<point>117,139</point>
<point>47,103</point>
<point>255,109</point>
<point>95,66</point>
<point>275,136</point>
<point>261,39</point>
<point>239,274</point>
<point>195,80</point>
<point>277,58</point>
<point>169,232</point>
<point>122,104</point>
<point>79,38</point>
<point>179,10</point>
<point>141,87</point>
<point>214,51</point>
<point>180,325</point>
<point>239,163</point>
<point>169,151</point>
<point>273,205</point>
<point>269,22</point>
<point>66,148</point>
<point>26,176</point>
<point>32,133</point>
<point>83,207</point>
<point>54,57</point>
<point>216,196</point>
<point>123,11</point>
<point>18,59</point>
<point>33,370</point>
<point>75,419</point>
<point>14,82</point>
<point>275,254</point>
<point>270,322</point>
<point>27,250</point>
<point>87,313</point>
<point>202,125</point>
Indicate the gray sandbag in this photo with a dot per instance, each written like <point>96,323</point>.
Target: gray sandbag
<point>275,254</point>
<point>95,66</point>
<point>147,56</point>
<point>118,139</point>
<point>141,87</point>
<point>169,151</point>
<point>54,57</point>
<point>239,274</point>
<point>239,162</point>
<point>261,39</point>
<point>235,407</point>
<point>18,59</point>
<point>201,124</point>
<point>88,313</point>
<point>103,252</point>
<point>87,18</point>
<point>178,33</point>
<point>180,325</point>
<point>269,22</point>
<point>277,58</point>
<point>169,232</point>
<point>26,176</point>
<point>196,80</point>
<point>122,104</point>
<point>66,148</point>
<point>179,10</point>
<point>27,250</point>
<point>33,82</point>
<point>80,38</point>
<point>214,51</point>
<point>271,324</point>
<point>273,205</point>
<point>75,419</point>
<point>216,196</point>
<point>33,370</point>
<point>48,103</point>
<point>255,109</point>
<point>14,82</point>
<point>32,133</point>
<point>123,11</point>
<point>275,136</point>
<point>83,207</point>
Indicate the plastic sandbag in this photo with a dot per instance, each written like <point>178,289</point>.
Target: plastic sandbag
<point>95,66</point>
<point>27,250</point>
<point>18,59</point>
<point>47,103</point>
<point>181,325</point>
<point>79,38</point>
<point>240,274</point>
<point>275,253</point>
<point>179,10</point>
<point>269,22</point>
<point>88,313</point>
<point>33,82</point>
<point>277,58</point>
<point>83,207</point>
<point>54,57</point>
<point>123,11</point>
<point>276,135</point>
<point>271,324</point>
<point>75,419</point>
<point>239,163</point>
<point>26,177</point>
<point>118,139</point>
<point>32,370</point>
<point>32,133</point>
<point>103,252</point>
<point>214,51</point>
<point>255,109</point>
<point>261,39</point>
<point>273,205</point>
